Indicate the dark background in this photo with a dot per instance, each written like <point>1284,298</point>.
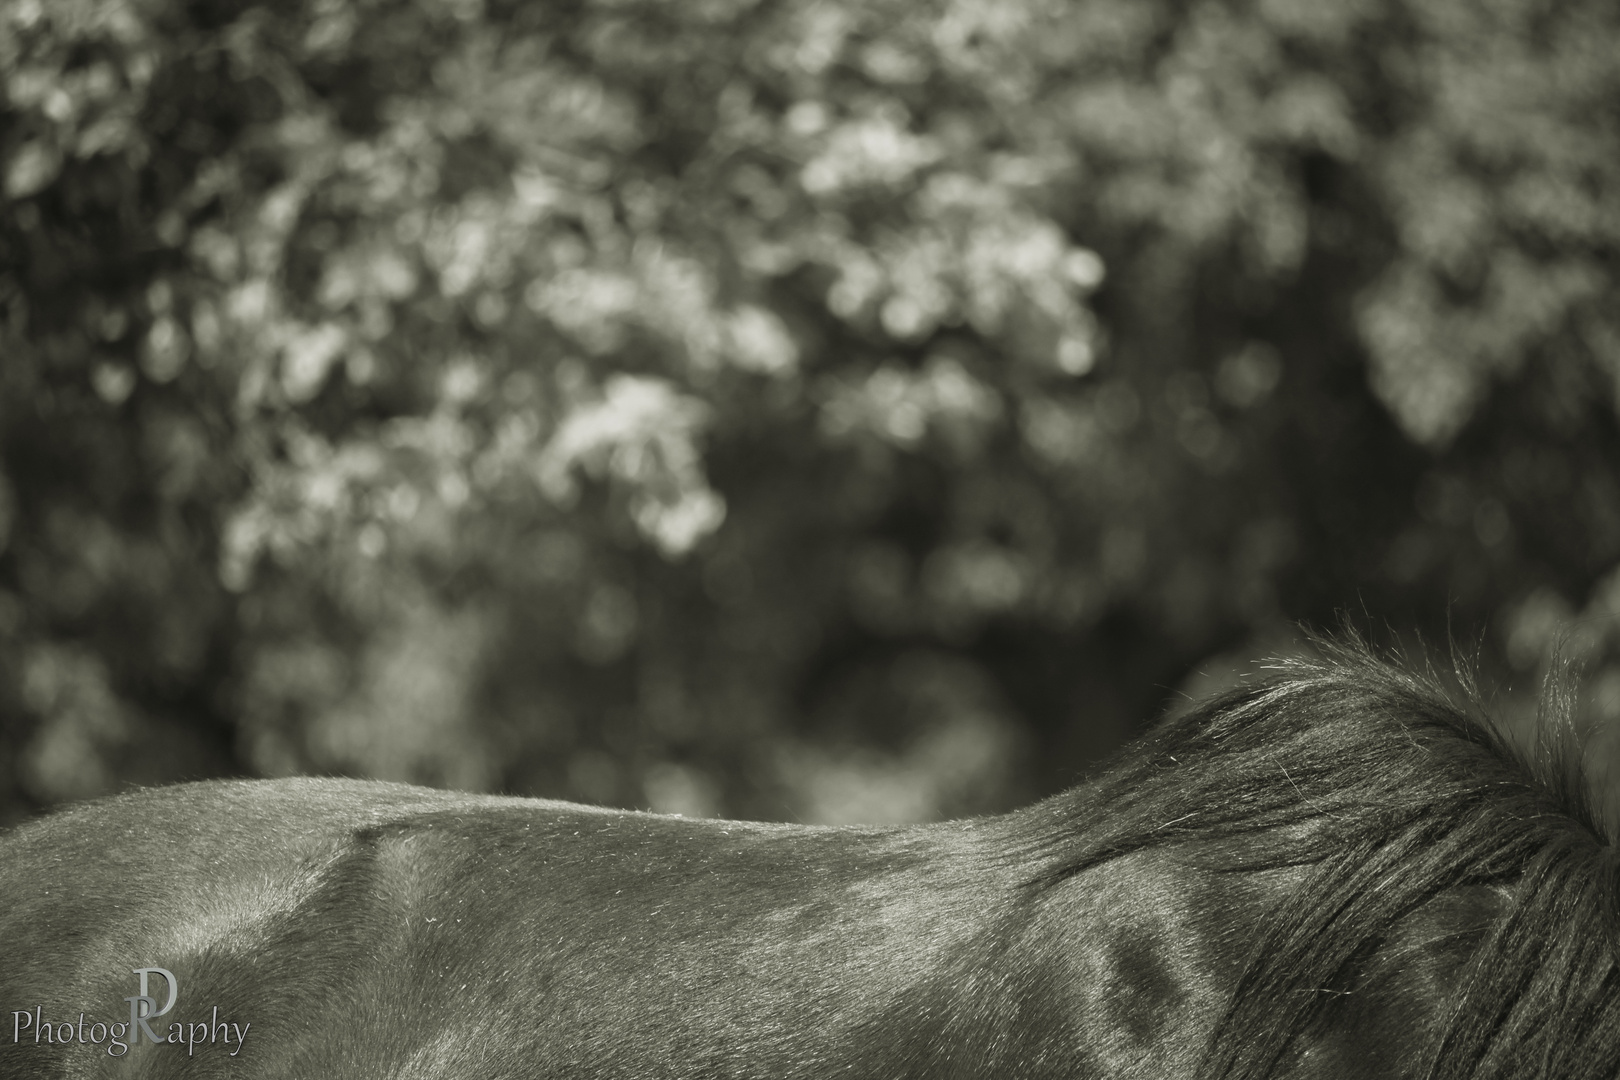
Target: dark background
<point>851,410</point>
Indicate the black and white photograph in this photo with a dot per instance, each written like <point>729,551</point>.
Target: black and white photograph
<point>810,539</point>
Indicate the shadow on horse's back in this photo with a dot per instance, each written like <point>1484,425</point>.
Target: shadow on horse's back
<point>1333,872</point>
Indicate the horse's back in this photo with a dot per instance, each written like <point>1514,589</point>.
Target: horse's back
<point>384,930</point>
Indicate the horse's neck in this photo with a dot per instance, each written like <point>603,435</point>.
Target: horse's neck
<point>1148,953</point>
<point>1153,948</point>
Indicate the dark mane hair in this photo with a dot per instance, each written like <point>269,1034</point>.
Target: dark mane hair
<point>1386,795</point>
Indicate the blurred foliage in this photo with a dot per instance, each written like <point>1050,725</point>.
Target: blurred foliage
<point>830,410</point>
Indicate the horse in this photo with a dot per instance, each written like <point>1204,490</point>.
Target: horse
<point>1334,870</point>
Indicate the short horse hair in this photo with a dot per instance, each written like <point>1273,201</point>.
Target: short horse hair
<point>1339,870</point>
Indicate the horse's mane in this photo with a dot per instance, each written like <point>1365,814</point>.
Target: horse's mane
<point>1385,793</point>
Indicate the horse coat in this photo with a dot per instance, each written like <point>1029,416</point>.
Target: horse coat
<point>1333,872</point>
